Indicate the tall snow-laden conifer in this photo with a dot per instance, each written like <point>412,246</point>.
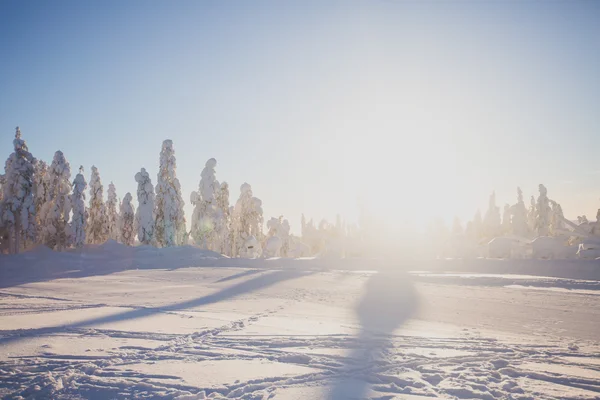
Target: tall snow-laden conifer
<point>40,192</point>
<point>206,213</point>
<point>223,228</point>
<point>519,216</point>
<point>531,215</point>
<point>248,217</point>
<point>144,220</point>
<point>55,230</point>
<point>17,210</point>
<point>542,220</point>
<point>169,218</point>
<point>112,215</point>
<point>557,219</point>
<point>127,233</point>
<point>79,217</point>
<point>97,229</point>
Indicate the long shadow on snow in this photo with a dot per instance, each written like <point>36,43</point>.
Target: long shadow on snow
<point>248,286</point>
<point>389,300</point>
<point>240,275</point>
<point>43,264</point>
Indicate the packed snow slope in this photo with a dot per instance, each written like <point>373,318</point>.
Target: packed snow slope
<point>114,322</point>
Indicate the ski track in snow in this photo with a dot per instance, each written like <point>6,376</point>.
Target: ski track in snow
<point>262,350</point>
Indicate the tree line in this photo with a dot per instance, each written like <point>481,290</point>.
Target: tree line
<point>40,204</point>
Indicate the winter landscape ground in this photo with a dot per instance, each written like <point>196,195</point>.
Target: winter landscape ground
<point>113,321</point>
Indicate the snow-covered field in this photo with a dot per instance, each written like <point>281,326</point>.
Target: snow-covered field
<point>115,322</point>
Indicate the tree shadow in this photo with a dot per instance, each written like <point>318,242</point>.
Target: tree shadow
<point>389,300</point>
<point>252,285</point>
<point>42,264</point>
<point>239,275</point>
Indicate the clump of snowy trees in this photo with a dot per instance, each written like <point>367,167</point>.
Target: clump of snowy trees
<point>519,225</point>
<point>39,204</point>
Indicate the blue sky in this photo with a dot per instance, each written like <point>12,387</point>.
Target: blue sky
<point>418,109</point>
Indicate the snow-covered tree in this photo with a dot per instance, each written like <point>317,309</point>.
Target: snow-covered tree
<point>223,228</point>
<point>206,213</point>
<point>582,219</point>
<point>97,228</point>
<point>531,215</point>
<point>79,217</point>
<point>144,221</point>
<point>284,234</point>
<point>17,211</point>
<point>557,224</point>
<point>169,226</point>
<point>596,227</point>
<point>127,233</point>
<point>280,228</point>
<point>248,217</point>
<point>112,215</point>
<point>542,220</point>
<point>302,224</point>
<point>40,190</point>
<point>56,232</point>
<point>492,218</point>
<point>519,216</point>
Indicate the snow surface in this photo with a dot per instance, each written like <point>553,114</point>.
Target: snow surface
<point>116,322</point>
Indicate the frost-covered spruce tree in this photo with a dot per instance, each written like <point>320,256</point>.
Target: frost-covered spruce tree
<point>256,219</point>
<point>206,213</point>
<point>168,216</point>
<point>519,223</point>
<point>224,229</point>
<point>40,189</point>
<point>248,217</point>
<point>97,229</point>
<point>127,233</point>
<point>531,215</point>
<point>112,215</point>
<point>302,224</point>
<point>596,227</point>
<point>286,239</point>
<point>56,232</point>
<point>542,220</point>
<point>17,211</point>
<point>492,218</point>
<point>144,220</point>
<point>557,224</point>
<point>79,217</point>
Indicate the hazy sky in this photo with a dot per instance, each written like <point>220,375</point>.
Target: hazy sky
<point>419,109</point>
